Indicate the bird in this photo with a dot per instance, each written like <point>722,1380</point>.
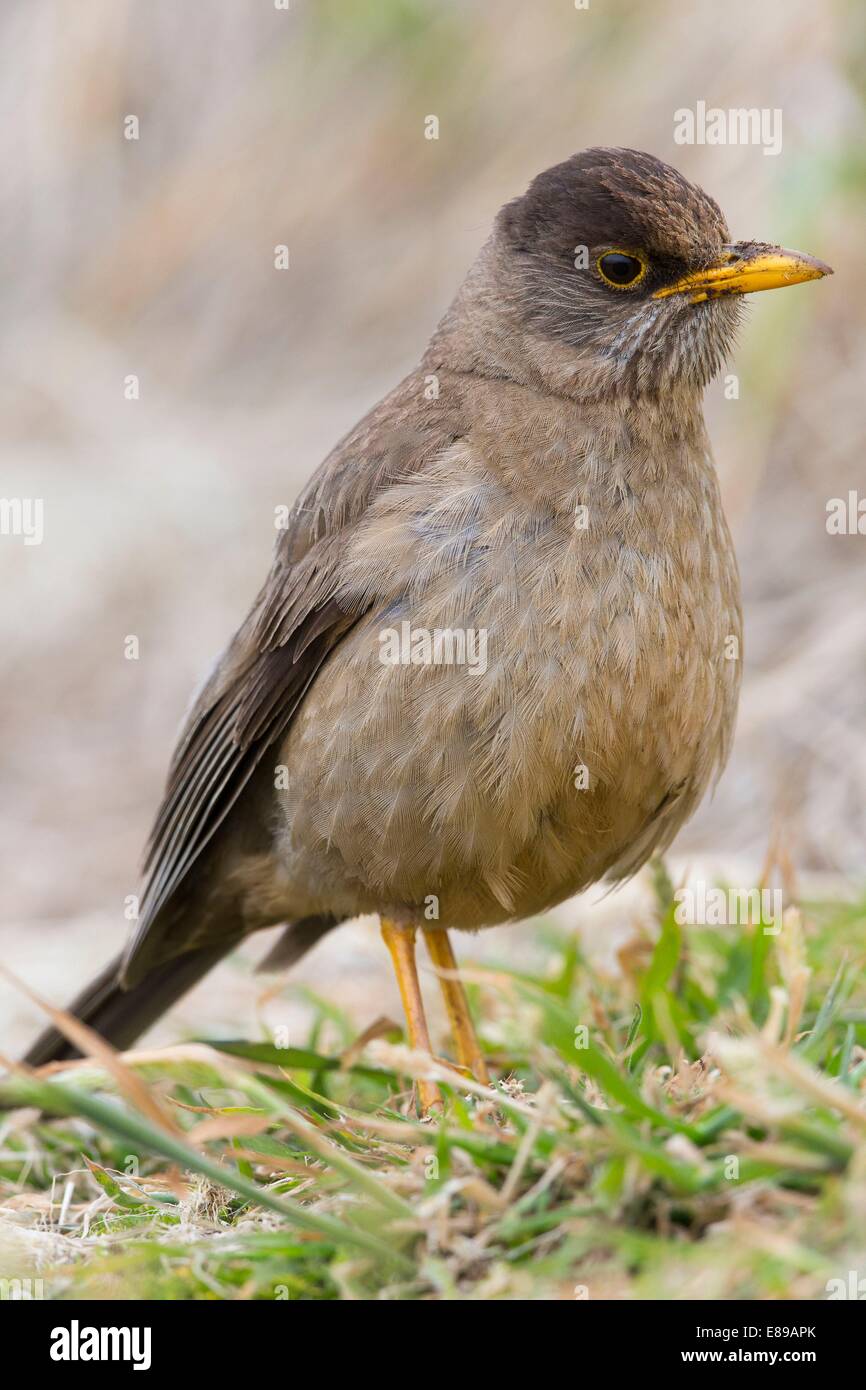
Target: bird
<point>497,655</point>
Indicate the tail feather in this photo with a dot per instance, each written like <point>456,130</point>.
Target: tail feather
<point>122,1015</point>
<point>295,941</point>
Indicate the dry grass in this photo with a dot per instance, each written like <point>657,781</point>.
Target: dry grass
<point>696,1129</point>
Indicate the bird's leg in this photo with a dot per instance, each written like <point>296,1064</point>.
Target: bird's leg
<point>401,943</point>
<point>469,1053</point>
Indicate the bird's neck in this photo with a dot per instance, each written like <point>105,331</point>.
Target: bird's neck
<point>485,333</point>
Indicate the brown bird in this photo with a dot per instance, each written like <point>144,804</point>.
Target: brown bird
<point>496,658</point>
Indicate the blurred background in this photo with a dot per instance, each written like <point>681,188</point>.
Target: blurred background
<point>154,257</point>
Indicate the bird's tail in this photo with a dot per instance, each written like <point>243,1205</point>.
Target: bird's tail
<point>122,1015</point>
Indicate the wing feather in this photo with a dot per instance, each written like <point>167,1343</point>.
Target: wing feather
<point>251,697</point>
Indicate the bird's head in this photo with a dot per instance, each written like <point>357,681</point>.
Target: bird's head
<point>620,259</point>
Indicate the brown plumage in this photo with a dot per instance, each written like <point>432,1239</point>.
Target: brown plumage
<point>543,478</point>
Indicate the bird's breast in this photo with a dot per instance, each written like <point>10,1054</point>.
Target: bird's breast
<point>538,672</point>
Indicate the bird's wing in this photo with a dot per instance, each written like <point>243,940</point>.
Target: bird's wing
<point>249,701</point>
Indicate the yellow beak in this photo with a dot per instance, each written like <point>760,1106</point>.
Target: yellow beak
<point>744,268</point>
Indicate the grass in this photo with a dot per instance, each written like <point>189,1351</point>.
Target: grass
<point>694,1127</point>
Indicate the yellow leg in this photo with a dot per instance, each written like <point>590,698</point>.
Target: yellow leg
<point>469,1053</point>
<point>401,943</point>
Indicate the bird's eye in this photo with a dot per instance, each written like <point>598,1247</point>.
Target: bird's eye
<point>621,270</point>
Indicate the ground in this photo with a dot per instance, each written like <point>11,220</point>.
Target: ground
<point>690,1123</point>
